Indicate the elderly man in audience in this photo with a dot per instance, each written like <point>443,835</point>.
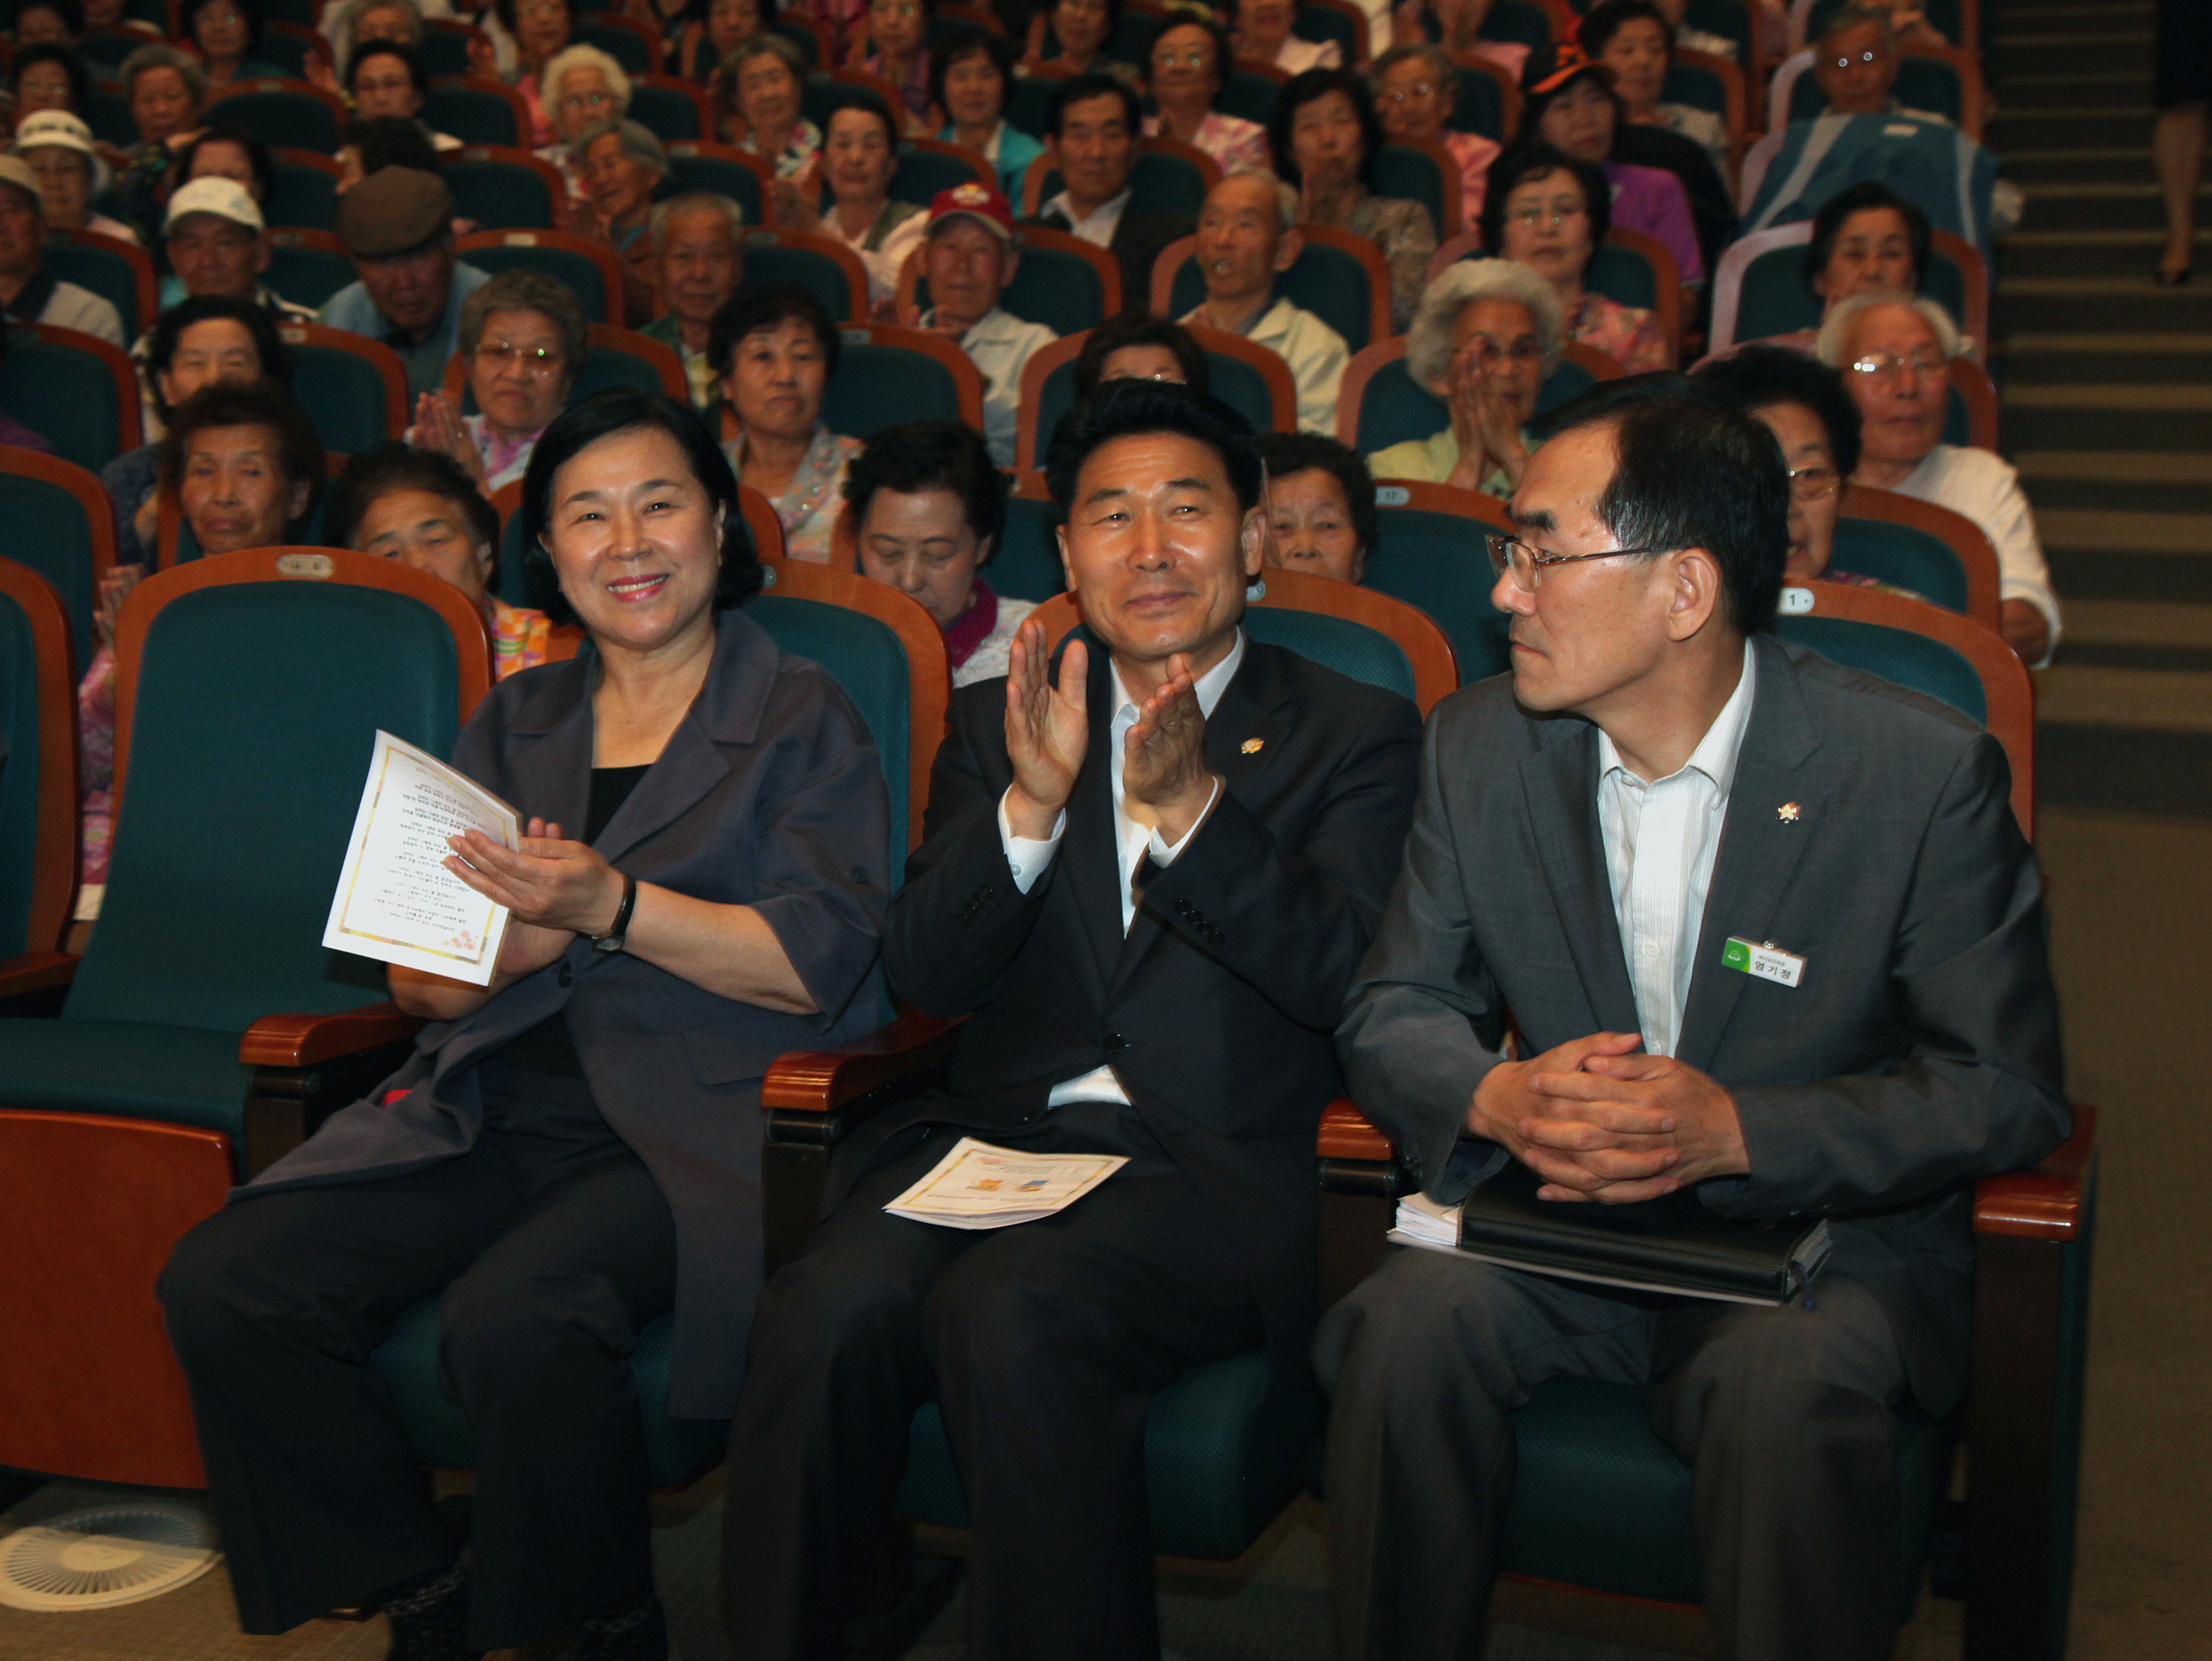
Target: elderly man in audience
<point>622,164</point>
<point>217,244</point>
<point>29,292</point>
<point>59,147</point>
<point>1145,880</point>
<point>1416,89</point>
<point>1856,62</point>
<point>1488,334</point>
<point>927,506</point>
<point>1248,234</point>
<point>1895,352</point>
<point>1658,774</point>
<point>1320,506</point>
<point>774,350</point>
<point>968,257</point>
<point>1091,127</point>
<point>1327,141</point>
<point>698,260</point>
<point>859,157</point>
<point>424,509</point>
<point>523,339</point>
<point>396,226</point>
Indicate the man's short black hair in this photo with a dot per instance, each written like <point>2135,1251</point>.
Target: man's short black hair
<point>966,41</point>
<point>750,310</point>
<point>392,141</point>
<point>407,57</point>
<point>1124,408</point>
<point>258,161</point>
<point>931,455</point>
<point>1311,88</point>
<point>161,340</point>
<point>375,473</point>
<point>1867,193</point>
<point>861,99</point>
<point>72,63</point>
<point>1538,160</point>
<point>1762,376</point>
<point>1297,453</point>
<point>1080,88</point>
<point>1139,329</point>
<point>1693,470</point>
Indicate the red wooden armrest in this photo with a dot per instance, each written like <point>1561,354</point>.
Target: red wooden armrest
<point>1345,1134</point>
<point>35,972</point>
<point>306,1040</point>
<point>2044,1203</point>
<point>823,1080</point>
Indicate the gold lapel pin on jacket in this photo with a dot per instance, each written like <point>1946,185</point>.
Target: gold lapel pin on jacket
<point>1788,813</point>
<point>1252,746</point>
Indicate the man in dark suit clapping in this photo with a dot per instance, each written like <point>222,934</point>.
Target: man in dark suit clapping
<point>1657,775</point>
<point>1092,126</point>
<point>1147,881</point>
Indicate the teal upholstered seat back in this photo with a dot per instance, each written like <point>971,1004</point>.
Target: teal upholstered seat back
<point>1904,555</point>
<point>108,274</point>
<point>48,532</point>
<point>18,778</point>
<point>343,394</point>
<point>1623,276</point>
<point>289,120</point>
<point>69,395</point>
<point>719,178</point>
<point>1437,562</point>
<point>1027,564</point>
<point>578,273</point>
<point>1895,654</point>
<point>1413,174</point>
<point>500,195</point>
<point>769,259</point>
<point>1339,643</point>
<point>256,706</point>
<point>1231,380</point>
<point>473,117</point>
<point>878,386</point>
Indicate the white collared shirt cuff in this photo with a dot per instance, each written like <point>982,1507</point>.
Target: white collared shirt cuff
<point>1164,854</point>
<point>1028,859</point>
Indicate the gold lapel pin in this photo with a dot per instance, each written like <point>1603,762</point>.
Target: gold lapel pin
<point>1788,813</point>
<point>1253,747</point>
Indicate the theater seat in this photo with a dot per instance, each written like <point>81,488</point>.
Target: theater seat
<point>1340,278</point>
<point>74,387</point>
<point>60,526</point>
<point>37,775</point>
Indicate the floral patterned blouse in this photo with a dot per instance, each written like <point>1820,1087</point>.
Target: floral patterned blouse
<point>1407,236</point>
<point>519,638</point>
<point>1629,334</point>
<point>1240,146</point>
<point>809,506</point>
<point>805,141</point>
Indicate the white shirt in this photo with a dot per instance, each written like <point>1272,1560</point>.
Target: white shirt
<point>998,343</point>
<point>1029,860</point>
<point>1983,486</point>
<point>1315,353</point>
<point>1660,838</point>
<point>1098,228</point>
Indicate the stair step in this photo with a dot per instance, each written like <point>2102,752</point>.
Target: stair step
<point>2068,54</point>
<point>2144,579</point>
<point>2131,419</point>
<point>2034,170</point>
<point>2154,700</point>
<point>2156,360</point>
<point>2098,37</point>
<point>2130,467</point>
<point>2124,531</point>
<point>2136,624</point>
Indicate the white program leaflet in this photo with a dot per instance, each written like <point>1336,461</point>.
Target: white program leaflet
<point>396,900</point>
<point>979,1186</point>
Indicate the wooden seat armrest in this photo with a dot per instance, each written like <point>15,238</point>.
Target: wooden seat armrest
<point>1346,1135</point>
<point>35,971</point>
<point>308,1040</point>
<point>823,1080</point>
<point>2046,1203</point>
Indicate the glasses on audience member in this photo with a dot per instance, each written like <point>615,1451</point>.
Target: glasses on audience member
<point>1524,562</point>
<point>1195,58</point>
<point>586,100</point>
<point>1813,483</point>
<point>1847,60</point>
<point>541,8</point>
<point>1887,366</point>
<point>1552,218</point>
<point>532,360</point>
<point>1489,351</point>
<point>1420,90</point>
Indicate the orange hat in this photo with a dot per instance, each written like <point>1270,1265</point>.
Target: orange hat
<point>981,203</point>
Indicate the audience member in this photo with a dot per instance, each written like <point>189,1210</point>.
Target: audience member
<point>774,350</point>
<point>1248,234</point>
<point>49,22</point>
<point>374,143</point>
<point>1895,352</point>
<point>713,31</point>
<point>583,88</point>
<point>1263,33</point>
<point>350,26</point>
<point>1069,38</point>
<point>972,79</point>
<point>1416,89</point>
<point>1867,239</point>
<point>1188,61</point>
<point>2184,60</point>
<point>386,78</point>
<point>968,257</point>
<point>699,260</point>
<point>759,99</point>
<point>551,1156</point>
<point>1454,25</point>
<point>230,152</point>
<point>166,91</point>
<point>859,156</point>
<point>424,509</point>
<point>1549,211</point>
<point>522,336</point>
<point>1856,62</point>
<point>1091,127</point>
<point>1563,864</point>
<point>898,40</point>
<point>51,76</point>
<point>226,34</point>
<point>59,147</point>
<point>1634,43</point>
<point>1242,876</point>
<point>622,163</point>
<point>1137,346</point>
<point>1487,336</point>
<point>217,244</point>
<point>1690,38</point>
<point>542,30</point>
<point>29,292</point>
<point>927,507</point>
<point>397,227</point>
<point>1326,140</point>
<point>1321,518</point>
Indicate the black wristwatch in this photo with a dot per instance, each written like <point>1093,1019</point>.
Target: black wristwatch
<point>617,936</point>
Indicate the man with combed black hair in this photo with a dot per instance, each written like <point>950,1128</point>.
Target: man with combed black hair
<point>1145,881</point>
<point>1658,775</point>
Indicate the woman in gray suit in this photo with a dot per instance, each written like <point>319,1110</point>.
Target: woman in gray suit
<point>573,1151</point>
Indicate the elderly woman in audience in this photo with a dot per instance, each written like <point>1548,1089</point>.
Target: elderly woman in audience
<point>622,163</point>
<point>1895,353</point>
<point>1261,30</point>
<point>898,41</point>
<point>1454,25</point>
<point>971,78</point>
<point>1488,334</point>
<point>1633,41</point>
<point>1189,58</point>
<point>698,260</point>
<point>710,32</point>
<point>49,22</point>
<point>350,26</point>
<point>1416,89</point>
<point>423,509</point>
<point>542,30</point>
<point>1326,138</point>
<point>572,1151</point>
<point>759,94</point>
<point>774,349</point>
<point>522,337</point>
<point>1134,345</point>
<point>582,87</point>
<point>1549,212</point>
<point>386,80</point>
<point>859,155</point>
<point>51,76</point>
<point>927,507</point>
<point>1320,506</point>
<point>1070,37</point>
<point>227,32</point>
<point>59,147</point>
<point>167,92</point>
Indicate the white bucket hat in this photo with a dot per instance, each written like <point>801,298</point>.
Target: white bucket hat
<point>60,130</point>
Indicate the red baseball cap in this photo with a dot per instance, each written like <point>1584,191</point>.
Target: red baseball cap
<point>988,207</point>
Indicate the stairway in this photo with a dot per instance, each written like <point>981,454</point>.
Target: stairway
<point>2107,383</point>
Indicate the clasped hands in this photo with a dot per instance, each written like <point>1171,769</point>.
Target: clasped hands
<point>1164,778</point>
<point>556,890</point>
<point>1600,1120</point>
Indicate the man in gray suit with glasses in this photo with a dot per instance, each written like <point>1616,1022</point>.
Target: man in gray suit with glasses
<point>1658,777</point>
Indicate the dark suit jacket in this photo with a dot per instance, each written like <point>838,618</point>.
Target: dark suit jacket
<point>1216,1010</point>
<point>1138,237</point>
<point>1918,1051</point>
<point>767,794</point>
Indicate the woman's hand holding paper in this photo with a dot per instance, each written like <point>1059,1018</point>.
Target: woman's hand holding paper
<point>549,882</point>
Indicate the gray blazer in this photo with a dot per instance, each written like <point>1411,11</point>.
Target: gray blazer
<point>1918,1051</point>
<point>767,794</point>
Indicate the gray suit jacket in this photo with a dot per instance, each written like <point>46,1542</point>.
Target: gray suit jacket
<point>767,794</point>
<point>1918,1051</point>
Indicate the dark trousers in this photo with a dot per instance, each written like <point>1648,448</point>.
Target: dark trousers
<point>554,1248</point>
<point>1783,1416</point>
<point>1042,1344</point>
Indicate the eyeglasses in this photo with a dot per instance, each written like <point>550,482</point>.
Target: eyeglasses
<point>1887,366</point>
<point>1863,58</point>
<point>1420,90</point>
<point>1488,351</point>
<point>1524,562</point>
<point>1553,218</point>
<point>585,101</point>
<point>531,360</point>
<point>1813,483</point>
<point>1195,58</point>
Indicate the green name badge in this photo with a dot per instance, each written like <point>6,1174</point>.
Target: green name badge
<point>1764,959</point>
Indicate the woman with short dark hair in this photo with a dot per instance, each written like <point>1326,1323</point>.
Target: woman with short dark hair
<point>1070,38</point>
<point>227,32</point>
<point>971,76</point>
<point>857,160</point>
<point>1135,345</point>
<point>51,76</point>
<point>1326,138</point>
<point>1186,62</point>
<point>1549,210</point>
<point>774,350</point>
<point>1321,518</point>
<point>1634,40</point>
